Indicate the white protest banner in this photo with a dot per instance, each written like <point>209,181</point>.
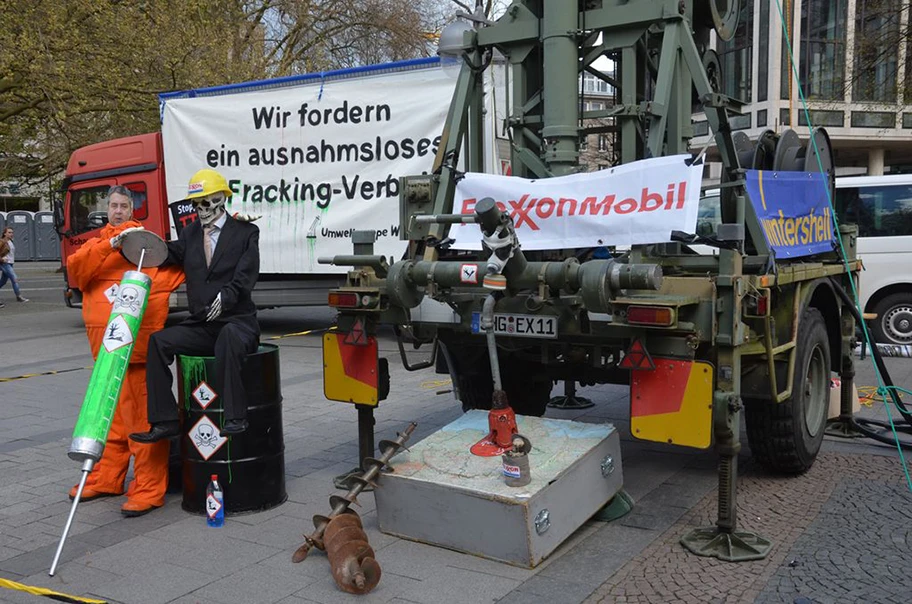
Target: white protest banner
<point>316,160</point>
<point>639,202</point>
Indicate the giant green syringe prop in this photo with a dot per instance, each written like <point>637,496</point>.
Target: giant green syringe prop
<point>94,423</point>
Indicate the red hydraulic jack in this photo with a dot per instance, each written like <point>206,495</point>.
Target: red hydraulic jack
<point>502,422</point>
<point>501,418</point>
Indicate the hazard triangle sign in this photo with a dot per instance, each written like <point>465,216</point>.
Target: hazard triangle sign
<point>637,357</point>
<point>358,334</point>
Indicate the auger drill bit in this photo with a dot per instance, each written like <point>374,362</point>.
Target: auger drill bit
<point>358,483</point>
<point>351,557</point>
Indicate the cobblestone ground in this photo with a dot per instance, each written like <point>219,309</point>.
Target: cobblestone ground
<point>858,535</point>
<point>857,548</point>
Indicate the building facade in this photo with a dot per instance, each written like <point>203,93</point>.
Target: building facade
<point>852,75</point>
<point>598,149</point>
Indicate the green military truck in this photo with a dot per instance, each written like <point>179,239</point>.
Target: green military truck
<point>757,326</point>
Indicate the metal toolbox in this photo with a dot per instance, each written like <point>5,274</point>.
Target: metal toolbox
<point>441,494</point>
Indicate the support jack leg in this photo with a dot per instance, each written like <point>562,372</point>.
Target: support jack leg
<point>570,400</point>
<point>723,541</point>
<point>844,426</point>
<point>732,547</point>
<point>619,506</point>
<point>365,447</point>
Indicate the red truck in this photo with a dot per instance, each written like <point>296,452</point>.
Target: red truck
<point>314,156</point>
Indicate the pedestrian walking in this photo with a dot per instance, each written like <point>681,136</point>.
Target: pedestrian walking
<point>7,259</point>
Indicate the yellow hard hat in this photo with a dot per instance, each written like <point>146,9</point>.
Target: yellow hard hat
<point>206,182</point>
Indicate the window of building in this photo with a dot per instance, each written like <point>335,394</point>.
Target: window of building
<point>821,58</point>
<point>736,56</point>
<point>602,142</point>
<point>594,84</point>
<point>763,52</point>
<point>908,85</point>
<point>788,48</point>
<point>876,45</point>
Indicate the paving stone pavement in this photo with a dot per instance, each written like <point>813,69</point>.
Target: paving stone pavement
<point>840,532</point>
<point>830,529</point>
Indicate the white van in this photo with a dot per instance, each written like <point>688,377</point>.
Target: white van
<point>881,206</point>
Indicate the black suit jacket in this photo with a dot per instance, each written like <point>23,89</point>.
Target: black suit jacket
<point>233,271</point>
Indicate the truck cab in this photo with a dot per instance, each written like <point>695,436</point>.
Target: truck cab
<point>137,163</point>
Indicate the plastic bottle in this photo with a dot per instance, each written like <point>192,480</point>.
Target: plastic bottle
<point>215,503</point>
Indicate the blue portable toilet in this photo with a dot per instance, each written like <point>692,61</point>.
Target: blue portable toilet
<point>23,224</point>
<point>2,221</point>
<point>47,244</point>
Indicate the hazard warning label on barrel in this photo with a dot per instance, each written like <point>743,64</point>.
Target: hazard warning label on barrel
<point>206,438</point>
<point>204,395</point>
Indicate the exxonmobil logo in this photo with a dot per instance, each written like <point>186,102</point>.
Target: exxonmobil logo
<point>528,211</point>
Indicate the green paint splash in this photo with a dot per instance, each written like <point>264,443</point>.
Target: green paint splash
<point>193,371</point>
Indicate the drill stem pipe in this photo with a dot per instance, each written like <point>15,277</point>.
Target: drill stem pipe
<point>596,279</point>
<point>373,261</point>
<point>445,219</point>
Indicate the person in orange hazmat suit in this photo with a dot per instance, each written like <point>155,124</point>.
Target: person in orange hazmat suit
<point>97,269</point>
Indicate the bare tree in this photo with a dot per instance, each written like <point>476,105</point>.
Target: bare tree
<point>81,71</point>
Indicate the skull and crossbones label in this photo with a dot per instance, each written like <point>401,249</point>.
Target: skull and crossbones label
<point>205,437</point>
<point>129,300</point>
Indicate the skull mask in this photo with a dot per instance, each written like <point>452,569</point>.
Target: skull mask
<point>210,207</point>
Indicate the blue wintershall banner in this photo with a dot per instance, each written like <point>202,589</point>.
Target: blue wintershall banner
<point>793,210</point>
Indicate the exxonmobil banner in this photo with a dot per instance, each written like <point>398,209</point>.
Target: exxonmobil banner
<point>635,203</point>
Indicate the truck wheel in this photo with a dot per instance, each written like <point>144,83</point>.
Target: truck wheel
<point>527,396</point>
<point>472,379</point>
<point>475,391</point>
<point>894,319</point>
<point>786,437</point>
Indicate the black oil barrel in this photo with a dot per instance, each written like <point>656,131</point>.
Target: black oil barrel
<point>250,465</point>
<point>175,465</point>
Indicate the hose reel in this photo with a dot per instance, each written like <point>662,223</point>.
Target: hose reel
<point>719,15</point>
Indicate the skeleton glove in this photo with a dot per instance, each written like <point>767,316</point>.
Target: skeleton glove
<point>215,309</point>
<point>117,239</point>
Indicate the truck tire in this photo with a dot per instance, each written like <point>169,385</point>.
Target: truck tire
<point>786,437</point>
<point>474,391</point>
<point>527,396</point>
<point>472,379</point>
<point>894,319</point>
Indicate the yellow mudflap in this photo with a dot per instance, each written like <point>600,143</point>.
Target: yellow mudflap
<point>673,403</point>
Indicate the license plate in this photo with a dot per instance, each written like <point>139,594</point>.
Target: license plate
<point>525,326</point>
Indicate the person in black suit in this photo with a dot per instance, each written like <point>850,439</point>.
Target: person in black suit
<point>221,259</point>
